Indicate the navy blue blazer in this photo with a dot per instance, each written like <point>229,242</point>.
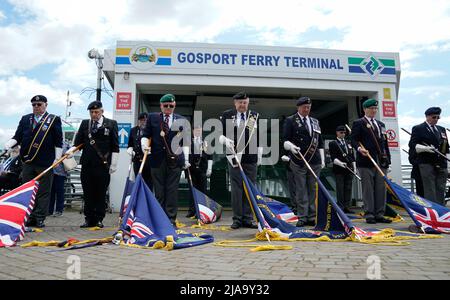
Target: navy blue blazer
<point>422,134</point>
<point>24,136</point>
<point>152,131</point>
<point>362,134</point>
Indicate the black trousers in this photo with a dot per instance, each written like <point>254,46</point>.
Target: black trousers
<point>42,199</point>
<point>95,182</point>
<point>199,181</point>
<point>242,212</point>
<point>146,172</point>
<point>165,184</point>
<point>344,189</point>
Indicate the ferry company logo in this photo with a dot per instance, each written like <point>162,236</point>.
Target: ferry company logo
<point>143,56</point>
<point>371,65</point>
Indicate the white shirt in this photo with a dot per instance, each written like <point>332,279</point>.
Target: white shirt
<point>308,122</point>
<point>170,119</point>
<point>375,122</point>
<point>238,118</point>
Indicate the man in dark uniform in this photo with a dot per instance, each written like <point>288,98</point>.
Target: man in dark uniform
<point>240,132</point>
<point>40,136</point>
<point>343,157</point>
<point>135,150</point>
<point>371,133</point>
<point>201,165</point>
<point>302,133</point>
<point>11,170</point>
<point>100,139</point>
<point>427,139</point>
<point>166,160</point>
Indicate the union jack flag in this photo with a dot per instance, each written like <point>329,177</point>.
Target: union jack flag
<point>433,220</point>
<point>140,231</point>
<point>430,216</point>
<point>15,207</point>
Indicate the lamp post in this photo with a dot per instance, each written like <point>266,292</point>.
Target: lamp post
<point>94,54</point>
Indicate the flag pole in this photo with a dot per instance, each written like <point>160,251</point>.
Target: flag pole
<point>144,158</point>
<point>425,144</point>
<point>57,162</point>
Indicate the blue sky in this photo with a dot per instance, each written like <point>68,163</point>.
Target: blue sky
<point>45,43</point>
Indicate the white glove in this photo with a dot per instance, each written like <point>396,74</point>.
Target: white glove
<point>288,146</point>
<point>209,170</point>
<point>229,143</point>
<point>260,154</point>
<point>114,160</point>
<point>285,158</point>
<point>10,144</point>
<point>339,163</point>
<point>422,148</point>
<point>145,144</point>
<point>58,154</point>
<point>70,153</point>
<point>186,158</point>
<point>389,170</point>
<point>130,151</point>
<point>322,158</point>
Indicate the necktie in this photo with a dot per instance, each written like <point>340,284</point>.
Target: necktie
<point>166,124</point>
<point>95,127</point>
<point>436,133</point>
<point>242,122</point>
<point>343,146</point>
<point>305,121</point>
<point>375,129</point>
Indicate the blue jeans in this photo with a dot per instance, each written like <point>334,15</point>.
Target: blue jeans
<point>57,194</point>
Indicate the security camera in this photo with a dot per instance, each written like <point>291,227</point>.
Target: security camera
<point>93,53</point>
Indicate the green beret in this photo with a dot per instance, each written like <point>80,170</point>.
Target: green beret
<point>167,98</point>
<point>369,103</point>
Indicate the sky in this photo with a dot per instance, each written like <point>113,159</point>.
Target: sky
<point>44,43</point>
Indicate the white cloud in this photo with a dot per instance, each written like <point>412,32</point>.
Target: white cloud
<point>5,135</point>
<point>422,74</point>
<point>16,92</point>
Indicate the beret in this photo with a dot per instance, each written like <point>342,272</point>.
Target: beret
<point>240,96</point>
<point>95,105</point>
<point>142,116</point>
<point>341,128</point>
<point>167,98</point>
<point>433,111</point>
<point>303,100</point>
<point>39,98</point>
<point>369,103</point>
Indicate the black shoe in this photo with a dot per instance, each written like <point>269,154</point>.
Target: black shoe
<point>30,223</point>
<point>40,224</point>
<point>100,224</point>
<point>235,225</point>
<point>383,220</point>
<point>371,221</point>
<point>311,223</point>
<point>250,224</point>
<point>190,214</point>
<point>300,223</point>
<point>87,225</point>
<point>348,211</point>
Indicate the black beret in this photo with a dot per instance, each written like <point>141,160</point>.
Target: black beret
<point>39,98</point>
<point>341,128</point>
<point>433,111</point>
<point>95,105</point>
<point>142,116</point>
<point>240,96</point>
<point>303,100</point>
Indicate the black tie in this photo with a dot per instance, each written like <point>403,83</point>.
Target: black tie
<point>375,129</point>
<point>166,124</point>
<point>343,145</point>
<point>436,133</point>
<point>95,127</point>
<point>242,123</point>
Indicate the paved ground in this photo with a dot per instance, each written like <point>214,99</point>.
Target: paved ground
<point>422,259</point>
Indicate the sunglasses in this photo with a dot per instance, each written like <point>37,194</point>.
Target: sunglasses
<point>435,117</point>
<point>168,106</point>
<point>36,104</point>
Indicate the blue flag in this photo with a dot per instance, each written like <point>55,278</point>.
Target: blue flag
<point>126,196</point>
<point>430,216</point>
<point>146,224</point>
<point>207,210</point>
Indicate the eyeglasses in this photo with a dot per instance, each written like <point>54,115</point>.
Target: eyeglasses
<point>36,104</point>
<point>168,106</point>
<point>435,117</point>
